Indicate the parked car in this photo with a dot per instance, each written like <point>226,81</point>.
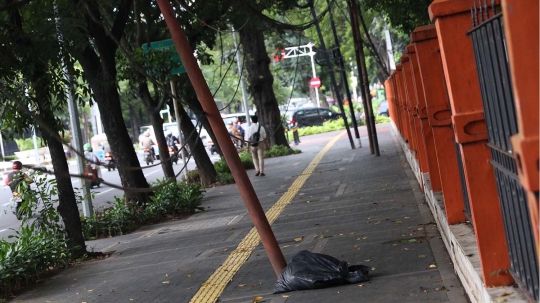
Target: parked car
<point>383,109</point>
<point>312,116</point>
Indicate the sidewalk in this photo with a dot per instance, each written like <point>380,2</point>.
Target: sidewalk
<point>354,206</point>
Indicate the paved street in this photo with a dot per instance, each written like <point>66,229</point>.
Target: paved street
<point>345,203</point>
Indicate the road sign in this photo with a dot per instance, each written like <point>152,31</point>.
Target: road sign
<point>315,82</point>
<point>167,45</point>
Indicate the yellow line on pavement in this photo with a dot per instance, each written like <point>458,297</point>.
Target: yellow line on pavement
<point>214,286</point>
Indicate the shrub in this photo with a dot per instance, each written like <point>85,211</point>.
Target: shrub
<point>34,252</point>
<point>39,245</point>
<point>382,119</point>
<point>121,217</point>
<point>28,144</point>
<point>279,151</point>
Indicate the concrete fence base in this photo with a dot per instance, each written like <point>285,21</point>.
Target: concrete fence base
<point>460,241</point>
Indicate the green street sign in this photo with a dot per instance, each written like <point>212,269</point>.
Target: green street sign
<point>167,45</point>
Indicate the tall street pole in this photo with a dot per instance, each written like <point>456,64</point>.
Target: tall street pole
<point>222,135</point>
<point>244,94</point>
<point>77,143</point>
<point>313,71</point>
<point>88,209</point>
<point>362,76</point>
<point>344,77</point>
<point>331,70</point>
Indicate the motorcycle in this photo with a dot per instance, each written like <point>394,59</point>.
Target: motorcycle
<point>109,161</point>
<point>15,204</point>
<point>173,153</point>
<point>148,158</point>
<point>91,176</point>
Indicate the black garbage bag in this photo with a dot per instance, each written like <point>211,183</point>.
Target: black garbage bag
<point>309,270</point>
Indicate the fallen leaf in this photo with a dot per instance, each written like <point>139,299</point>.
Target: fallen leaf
<point>432,266</point>
<point>364,238</point>
<point>285,246</point>
<point>257,299</point>
<point>90,290</point>
<point>420,228</point>
<point>298,239</point>
<point>405,248</point>
<point>361,285</point>
<point>367,260</point>
<point>189,276</point>
<point>421,256</point>
<point>241,285</point>
<point>166,275</point>
<point>285,296</point>
<point>406,217</point>
<point>373,268</point>
<point>499,300</point>
<point>131,299</point>
<point>506,294</point>
<point>166,282</point>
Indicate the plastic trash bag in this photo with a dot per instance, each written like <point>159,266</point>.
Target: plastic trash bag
<point>309,270</point>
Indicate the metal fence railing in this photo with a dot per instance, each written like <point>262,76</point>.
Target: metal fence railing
<point>499,109</point>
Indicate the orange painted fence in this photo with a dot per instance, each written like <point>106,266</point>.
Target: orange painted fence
<point>438,101</point>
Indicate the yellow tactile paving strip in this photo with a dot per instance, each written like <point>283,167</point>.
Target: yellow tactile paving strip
<point>214,286</point>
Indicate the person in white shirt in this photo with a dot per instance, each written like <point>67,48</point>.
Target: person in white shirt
<point>257,148</point>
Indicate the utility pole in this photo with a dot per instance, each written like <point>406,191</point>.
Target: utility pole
<point>222,135</point>
<point>244,94</point>
<point>339,57</point>
<point>331,69</point>
<point>88,209</point>
<point>362,75</point>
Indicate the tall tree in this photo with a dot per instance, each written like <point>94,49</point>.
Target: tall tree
<point>31,64</point>
<point>102,27</point>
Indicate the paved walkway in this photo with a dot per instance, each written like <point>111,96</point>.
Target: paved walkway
<point>354,206</point>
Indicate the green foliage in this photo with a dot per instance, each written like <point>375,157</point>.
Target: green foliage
<point>382,119</point>
<point>122,217</point>
<point>404,15</point>
<point>279,151</point>
<point>28,144</point>
<point>40,244</point>
<point>34,252</point>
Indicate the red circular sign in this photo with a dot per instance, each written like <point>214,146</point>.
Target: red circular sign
<point>315,82</point>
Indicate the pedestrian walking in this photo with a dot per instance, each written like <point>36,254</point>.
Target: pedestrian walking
<point>255,135</point>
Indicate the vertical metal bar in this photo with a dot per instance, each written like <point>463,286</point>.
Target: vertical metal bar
<point>476,42</point>
<point>505,73</point>
<point>492,90</point>
<point>498,97</point>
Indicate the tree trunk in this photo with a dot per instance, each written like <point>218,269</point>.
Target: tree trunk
<point>101,75</point>
<point>36,73</point>
<point>67,206</point>
<point>121,146</point>
<point>157,122</point>
<point>260,83</point>
<point>207,171</point>
<point>186,90</point>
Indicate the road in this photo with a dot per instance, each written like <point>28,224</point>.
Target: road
<point>103,194</point>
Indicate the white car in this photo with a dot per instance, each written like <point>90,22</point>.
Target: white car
<point>173,128</point>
